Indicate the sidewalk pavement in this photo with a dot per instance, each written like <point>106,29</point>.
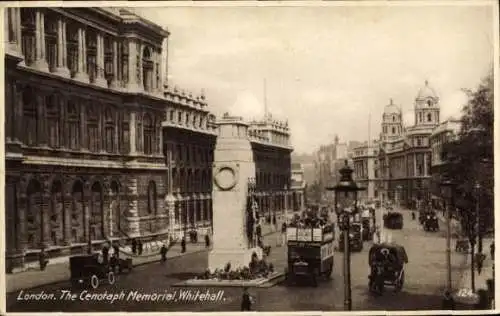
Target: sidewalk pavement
<point>58,270</point>
<point>456,230</point>
<point>486,271</point>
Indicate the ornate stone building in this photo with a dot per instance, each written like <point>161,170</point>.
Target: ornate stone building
<point>85,100</point>
<point>366,169</point>
<point>405,153</point>
<point>270,140</point>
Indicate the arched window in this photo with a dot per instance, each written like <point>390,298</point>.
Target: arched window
<point>152,198</point>
<point>97,212</point>
<point>34,211</point>
<point>175,179</point>
<point>394,130</point>
<point>115,209</point>
<point>73,121</point>
<point>28,34</point>
<point>56,214</point>
<point>109,130</point>
<point>148,135</point>
<point>429,103</point>
<point>53,120</point>
<point>77,216</point>
<point>91,41</point>
<point>92,128</point>
<point>51,41</point>
<point>393,118</point>
<point>147,69</point>
<point>30,117</point>
<point>429,117</point>
<point>108,59</point>
<point>124,61</point>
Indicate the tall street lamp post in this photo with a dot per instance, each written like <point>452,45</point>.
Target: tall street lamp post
<point>447,191</point>
<point>346,186</point>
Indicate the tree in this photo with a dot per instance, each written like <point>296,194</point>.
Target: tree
<point>470,157</point>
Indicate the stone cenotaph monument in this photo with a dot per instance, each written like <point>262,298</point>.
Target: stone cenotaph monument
<point>232,169</point>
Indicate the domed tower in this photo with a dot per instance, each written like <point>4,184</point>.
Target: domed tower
<point>427,106</point>
<point>392,122</point>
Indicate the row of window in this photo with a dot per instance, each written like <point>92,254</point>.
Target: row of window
<point>395,130</point>
<point>67,124</point>
<point>190,153</point>
<point>428,117</point>
<point>188,119</point>
<point>146,65</point>
<point>187,181</point>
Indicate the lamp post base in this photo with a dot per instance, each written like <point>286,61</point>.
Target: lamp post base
<point>347,305</point>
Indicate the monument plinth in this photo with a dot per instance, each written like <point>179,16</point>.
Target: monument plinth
<point>232,169</point>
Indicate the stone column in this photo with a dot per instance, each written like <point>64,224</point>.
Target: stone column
<point>164,64</point>
<point>61,68</point>
<point>13,247</point>
<point>140,77</point>
<point>83,132</point>
<point>44,218</point>
<point>132,84</point>
<point>81,73</point>
<point>41,128</point>
<point>153,75</point>
<point>114,81</point>
<point>12,32</point>
<point>415,164</point>
<point>40,62</point>
<point>133,145</point>
<point>425,164</point>
<point>133,210</point>
<point>100,80</point>
<point>203,209</point>
<point>68,201</point>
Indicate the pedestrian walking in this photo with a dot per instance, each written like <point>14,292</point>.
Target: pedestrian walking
<point>105,254</point>
<point>492,250</point>
<point>246,301</point>
<point>258,233</point>
<point>163,253</point>
<point>139,247</point>
<point>479,262</point>
<point>42,259</point>
<point>134,246</point>
<point>448,302</point>
<point>207,241</point>
<point>183,244</point>
<point>283,233</point>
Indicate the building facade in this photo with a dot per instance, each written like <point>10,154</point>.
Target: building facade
<point>405,152</point>
<point>445,132</point>
<point>94,133</point>
<point>270,141</point>
<point>298,187</point>
<point>366,171</point>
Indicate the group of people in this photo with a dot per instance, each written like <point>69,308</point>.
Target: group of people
<point>110,253</point>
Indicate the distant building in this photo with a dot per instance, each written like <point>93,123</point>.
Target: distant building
<point>445,132</point>
<point>366,173</point>
<point>400,162</point>
<point>298,187</point>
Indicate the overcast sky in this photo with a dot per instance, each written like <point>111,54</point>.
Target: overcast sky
<point>327,68</point>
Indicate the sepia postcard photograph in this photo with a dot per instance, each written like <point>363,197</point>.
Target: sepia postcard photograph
<point>233,156</point>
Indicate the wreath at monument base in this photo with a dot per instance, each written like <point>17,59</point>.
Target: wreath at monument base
<point>256,269</point>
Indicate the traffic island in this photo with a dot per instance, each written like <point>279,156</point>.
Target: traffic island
<point>261,282</point>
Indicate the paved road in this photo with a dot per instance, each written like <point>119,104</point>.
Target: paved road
<point>425,279</point>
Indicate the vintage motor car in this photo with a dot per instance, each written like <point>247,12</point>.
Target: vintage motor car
<point>310,252</point>
<point>355,238</point>
<point>90,270</point>
<point>387,262</point>
<point>431,222</point>
<point>393,220</point>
